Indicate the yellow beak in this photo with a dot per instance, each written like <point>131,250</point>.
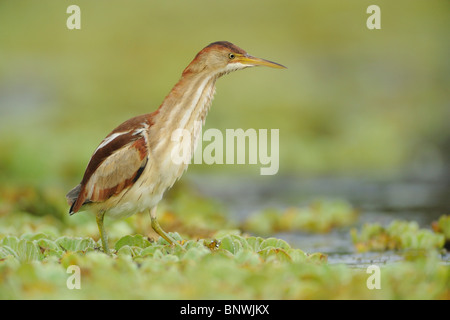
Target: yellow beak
<point>253,61</point>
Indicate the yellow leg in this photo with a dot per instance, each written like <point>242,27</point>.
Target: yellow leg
<point>159,230</point>
<point>101,229</point>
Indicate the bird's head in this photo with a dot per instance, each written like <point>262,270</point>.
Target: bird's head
<point>223,57</point>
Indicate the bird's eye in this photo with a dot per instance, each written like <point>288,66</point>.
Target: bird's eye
<point>231,56</point>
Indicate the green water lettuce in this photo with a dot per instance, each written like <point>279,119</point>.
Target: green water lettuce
<point>319,216</point>
<point>398,235</point>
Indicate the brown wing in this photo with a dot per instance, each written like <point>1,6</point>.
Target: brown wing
<point>116,165</point>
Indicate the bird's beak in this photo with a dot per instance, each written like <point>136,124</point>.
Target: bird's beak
<point>253,62</point>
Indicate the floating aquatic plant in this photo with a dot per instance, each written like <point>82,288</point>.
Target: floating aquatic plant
<point>319,216</point>
<point>398,235</point>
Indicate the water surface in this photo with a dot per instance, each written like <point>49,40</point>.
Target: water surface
<point>380,201</point>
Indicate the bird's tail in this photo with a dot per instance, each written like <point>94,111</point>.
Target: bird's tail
<point>72,197</point>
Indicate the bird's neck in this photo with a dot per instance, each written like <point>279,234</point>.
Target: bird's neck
<point>185,108</point>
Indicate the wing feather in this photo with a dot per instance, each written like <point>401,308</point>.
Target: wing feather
<point>116,164</point>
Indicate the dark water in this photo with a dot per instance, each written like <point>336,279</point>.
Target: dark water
<point>382,201</point>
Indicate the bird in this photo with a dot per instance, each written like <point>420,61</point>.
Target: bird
<point>132,167</point>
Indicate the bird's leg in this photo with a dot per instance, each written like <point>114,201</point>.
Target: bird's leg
<point>159,230</point>
<point>101,229</point>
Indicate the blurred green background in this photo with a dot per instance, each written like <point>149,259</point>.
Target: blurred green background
<point>354,104</point>
<point>353,101</point>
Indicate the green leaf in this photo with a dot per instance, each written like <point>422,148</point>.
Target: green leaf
<point>275,243</point>
<point>271,253</point>
<point>443,226</point>
<point>75,244</point>
<point>24,250</point>
<point>230,244</point>
<point>255,243</point>
<point>28,251</point>
<point>136,240</point>
<point>50,248</point>
<point>174,235</point>
<point>318,257</point>
<point>297,255</point>
<point>234,244</point>
<point>150,250</point>
<point>130,250</point>
<point>10,241</point>
<point>6,251</point>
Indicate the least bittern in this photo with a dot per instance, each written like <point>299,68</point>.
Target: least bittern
<point>132,167</point>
